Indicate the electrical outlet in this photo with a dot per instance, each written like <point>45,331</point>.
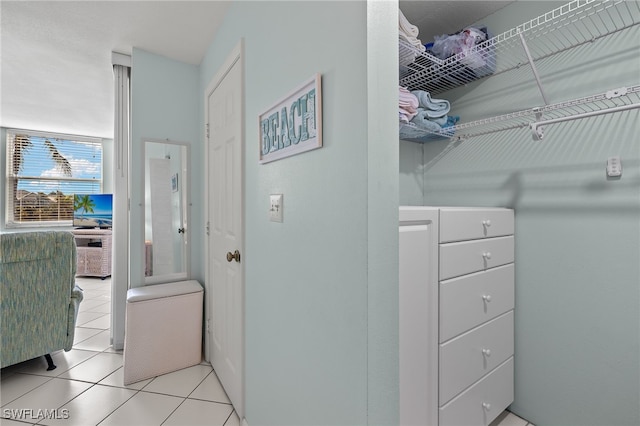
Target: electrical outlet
<point>614,167</point>
<point>275,208</point>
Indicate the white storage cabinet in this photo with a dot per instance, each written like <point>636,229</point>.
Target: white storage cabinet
<point>93,252</point>
<point>456,314</point>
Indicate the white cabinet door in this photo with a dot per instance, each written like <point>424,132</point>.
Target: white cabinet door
<point>418,317</point>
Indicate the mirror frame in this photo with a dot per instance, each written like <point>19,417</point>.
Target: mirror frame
<point>184,183</point>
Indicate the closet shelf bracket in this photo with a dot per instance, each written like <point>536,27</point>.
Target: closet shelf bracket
<point>534,69</point>
<point>538,127</point>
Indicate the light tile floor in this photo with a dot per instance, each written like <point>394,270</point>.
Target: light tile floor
<point>87,386</point>
<point>509,419</point>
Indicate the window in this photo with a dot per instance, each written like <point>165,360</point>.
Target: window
<point>44,171</point>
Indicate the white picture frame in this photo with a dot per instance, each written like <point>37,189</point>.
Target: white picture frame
<point>293,125</point>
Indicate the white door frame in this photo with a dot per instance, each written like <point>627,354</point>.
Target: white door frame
<point>236,55</point>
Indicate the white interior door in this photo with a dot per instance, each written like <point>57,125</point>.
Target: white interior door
<point>225,272</point>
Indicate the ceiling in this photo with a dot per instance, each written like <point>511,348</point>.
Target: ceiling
<point>56,71</point>
<point>55,56</point>
<point>434,17</point>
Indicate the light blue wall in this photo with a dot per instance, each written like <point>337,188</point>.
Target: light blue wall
<point>577,232</point>
<point>307,283</point>
<point>382,215</point>
<point>164,105</point>
<point>411,173</point>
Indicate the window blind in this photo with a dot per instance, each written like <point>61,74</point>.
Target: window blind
<point>44,171</point>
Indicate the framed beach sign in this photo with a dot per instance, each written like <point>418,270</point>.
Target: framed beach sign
<point>294,124</point>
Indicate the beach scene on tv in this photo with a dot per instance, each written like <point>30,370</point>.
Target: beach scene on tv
<point>93,210</point>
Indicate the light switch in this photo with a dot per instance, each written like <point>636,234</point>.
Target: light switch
<point>275,208</point>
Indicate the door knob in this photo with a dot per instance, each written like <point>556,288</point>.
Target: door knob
<point>235,255</point>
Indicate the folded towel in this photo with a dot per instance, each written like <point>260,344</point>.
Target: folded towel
<point>414,43</point>
<point>412,133</point>
<point>405,26</point>
<point>442,121</point>
<point>451,121</point>
<point>421,120</point>
<point>407,99</point>
<point>409,33</point>
<point>435,108</point>
<point>407,104</point>
<point>406,116</point>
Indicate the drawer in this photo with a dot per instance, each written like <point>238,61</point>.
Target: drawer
<point>471,256</point>
<point>459,224</point>
<point>467,358</point>
<point>482,402</point>
<point>466,302</point>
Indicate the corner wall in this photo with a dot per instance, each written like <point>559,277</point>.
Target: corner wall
<point>308,279</point>
<point>164,105</point>
<point>577,322</point>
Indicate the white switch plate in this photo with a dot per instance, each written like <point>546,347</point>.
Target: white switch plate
<point>275,208</point>
<point>614,167</point>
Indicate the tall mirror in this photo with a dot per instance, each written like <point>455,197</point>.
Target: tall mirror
<point>166,213</point>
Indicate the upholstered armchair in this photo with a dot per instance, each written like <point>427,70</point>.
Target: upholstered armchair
<point>39,299</point>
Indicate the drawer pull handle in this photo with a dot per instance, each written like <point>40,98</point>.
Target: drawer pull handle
<point>486,406</point>
<point>486,352</point>
<point>486,223</point>
<point>486,255</point>
<point>486,297</point>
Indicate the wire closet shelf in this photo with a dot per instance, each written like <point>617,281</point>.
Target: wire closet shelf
<point>561,29</point>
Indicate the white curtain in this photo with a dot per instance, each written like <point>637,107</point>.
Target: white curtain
<point>121,146</point>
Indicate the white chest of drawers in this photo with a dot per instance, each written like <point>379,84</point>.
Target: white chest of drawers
<point>456,314</point>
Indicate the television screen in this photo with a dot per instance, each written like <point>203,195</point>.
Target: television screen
<point>93,210</point>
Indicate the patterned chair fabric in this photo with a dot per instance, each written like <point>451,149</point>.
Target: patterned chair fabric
<point>39,299</point>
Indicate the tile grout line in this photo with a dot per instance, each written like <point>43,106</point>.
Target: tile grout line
<point>119,406</point>
<point>93,383</point>
<point>229,416</point>
<point>171,413</point>
<point>30,390</point>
